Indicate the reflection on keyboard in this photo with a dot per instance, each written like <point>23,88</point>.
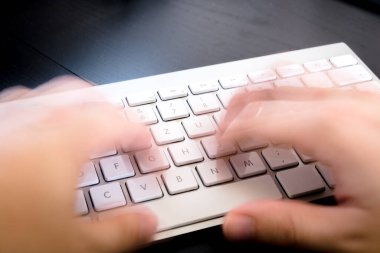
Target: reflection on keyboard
<point>185,176</point>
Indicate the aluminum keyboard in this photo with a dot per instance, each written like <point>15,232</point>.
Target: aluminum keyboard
<point>184,175</point>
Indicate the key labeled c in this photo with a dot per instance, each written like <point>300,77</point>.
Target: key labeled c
<point>107,194</point>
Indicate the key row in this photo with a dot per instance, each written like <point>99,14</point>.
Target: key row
<point>154,159</point>
<point>345,62</point>
<point>208,103</point>
<point>296,182</point>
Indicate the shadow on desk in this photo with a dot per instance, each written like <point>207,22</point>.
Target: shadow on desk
<point>211,240</point>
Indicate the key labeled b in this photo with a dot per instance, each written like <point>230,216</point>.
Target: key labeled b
<point>179,180</point>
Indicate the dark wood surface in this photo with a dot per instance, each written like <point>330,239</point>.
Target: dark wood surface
<point>114,40</point>
<point>106,41</point>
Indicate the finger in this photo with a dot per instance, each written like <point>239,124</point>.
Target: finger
<point>281,122</point>
<point>13,93</point>
<point>241,100</point>
<point>95,128</point>
<point>75,133</point>
<point>119,233</point>
<point>80,122</point>
<point>55,85</point>
<point>308,126</point>
<point>297,224</point>
<point>61,84</point>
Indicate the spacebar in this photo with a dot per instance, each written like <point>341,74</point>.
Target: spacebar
<point>205,204</point>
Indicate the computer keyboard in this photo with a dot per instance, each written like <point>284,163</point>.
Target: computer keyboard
<point>184,175</point>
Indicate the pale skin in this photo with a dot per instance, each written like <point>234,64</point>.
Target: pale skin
<point>42,149</point>
<point>341,129</point>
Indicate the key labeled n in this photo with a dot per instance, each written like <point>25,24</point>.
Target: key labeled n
<point>248,163</point>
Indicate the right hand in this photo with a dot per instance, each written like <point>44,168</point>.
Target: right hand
<point>339,128</point>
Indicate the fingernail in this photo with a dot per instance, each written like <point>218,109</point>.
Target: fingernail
<point>147,223</point>
<point>239,227</point>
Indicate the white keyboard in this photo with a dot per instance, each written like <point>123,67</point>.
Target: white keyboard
<point>185,177</point>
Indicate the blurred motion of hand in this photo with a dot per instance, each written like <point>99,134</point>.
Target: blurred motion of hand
<point>339,128</point>
<point>44,140</point>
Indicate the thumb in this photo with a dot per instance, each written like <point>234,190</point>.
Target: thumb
<point>290,223</point>
<point>122,232</point>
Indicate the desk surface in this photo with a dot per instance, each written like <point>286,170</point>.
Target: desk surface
<point>109,41</point>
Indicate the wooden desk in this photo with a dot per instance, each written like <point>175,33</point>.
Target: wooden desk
<point>108,41</point>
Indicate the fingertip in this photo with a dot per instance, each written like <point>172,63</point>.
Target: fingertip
<point>238,227</point>
<point>146,221</point>
<point>147,224</point>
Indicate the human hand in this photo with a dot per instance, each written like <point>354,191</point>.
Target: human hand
<point>339,128</point>
<point>44,142</point>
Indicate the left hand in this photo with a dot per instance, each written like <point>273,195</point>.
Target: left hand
<point>43,144</point>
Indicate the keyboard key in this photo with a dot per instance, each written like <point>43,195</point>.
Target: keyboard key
<point>305,158</point>
<point>262,76</point>
<point>290,70</point>
<point>144,188</point>
<point>350,75</point>
<point>317,66</point>
<point>317,80</point>
<point>233,81</point>
<point>247,164</point>
<point>167,133</point>
<point>116,102</point>
<point>225,97</point>
<point>218,200</point>
<point>343,61</point>
<point>300,181</point>
<point>324,171</point>
<point>218,117</point>
<point>248,144</point>
<point>214,172</point>
<point>203,104</point>
<point>137,145</point>
<point>87,175</point>
<point>104,154</point>
<point>216,149</point>
<point>198,126</point>
<point>107,196</point>
<point>372,86</point>
<point>143,114</point>
<point>140,98</point>
<point>289,82</point>
<point>175,109</point>
<point>185,153</point>
<point>116,167</point>
<point>80,205</point>
<point>260,86</point>
<point>179,180</point>
<point>350,87</point>
<point>204,87</point>
<point>279,158</point>
<point>171,93</point>
<point>152,159</point>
